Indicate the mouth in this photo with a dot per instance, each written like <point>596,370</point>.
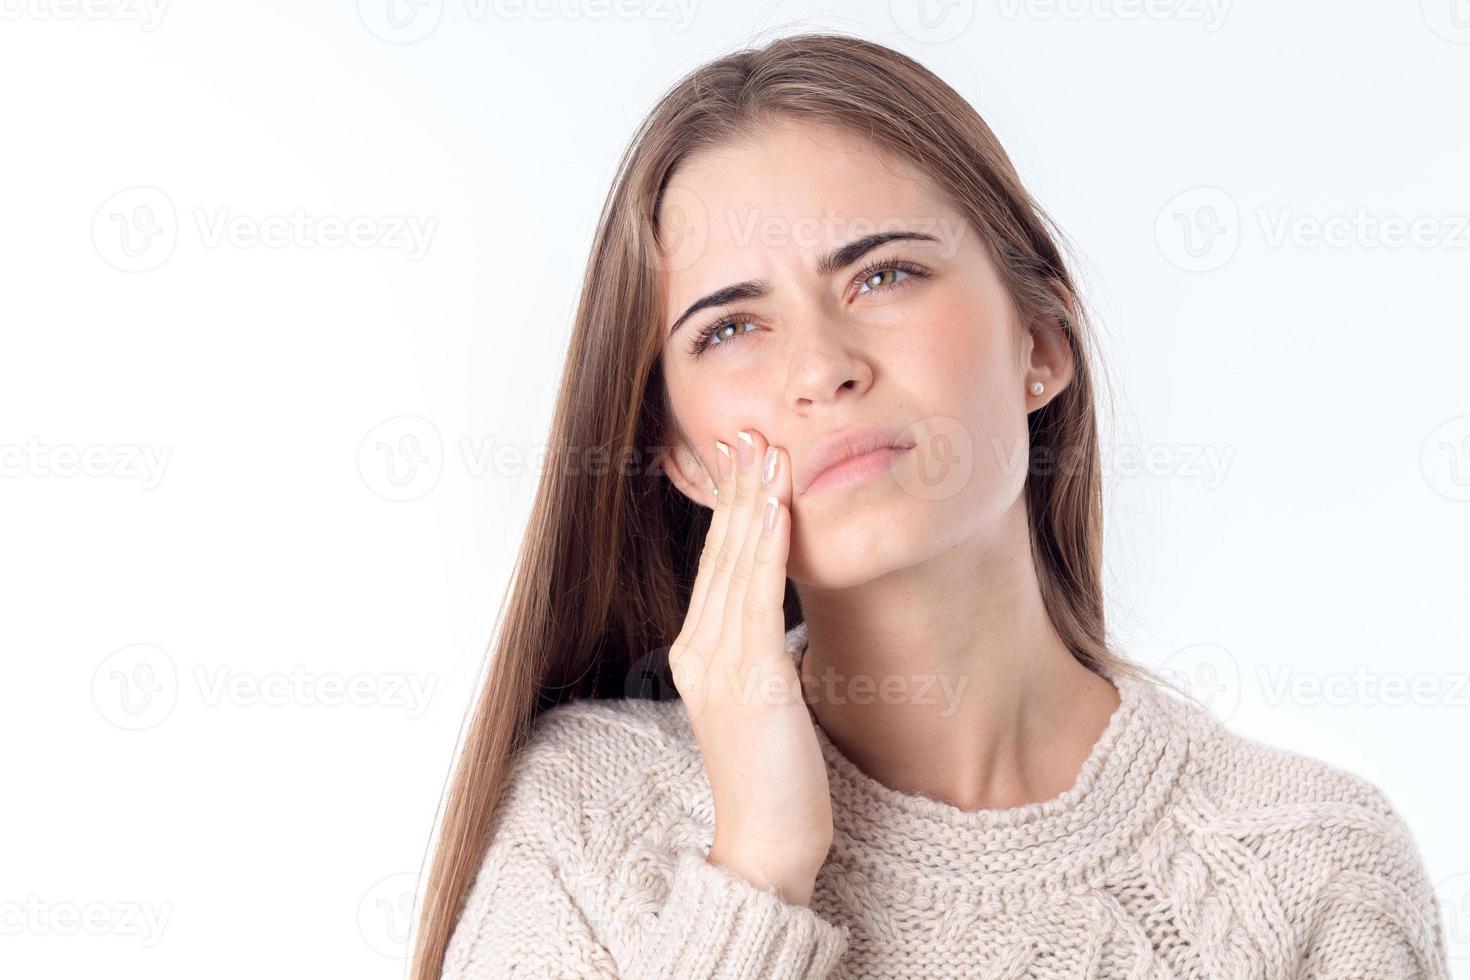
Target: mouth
<point>852,456</point>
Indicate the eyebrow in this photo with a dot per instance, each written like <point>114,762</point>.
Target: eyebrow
<point>838,258</point>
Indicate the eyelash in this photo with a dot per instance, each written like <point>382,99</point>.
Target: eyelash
<point>702,340</point>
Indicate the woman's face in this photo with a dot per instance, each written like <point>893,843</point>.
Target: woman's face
<point>916,333</point>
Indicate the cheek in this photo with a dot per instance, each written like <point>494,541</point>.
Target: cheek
<point>718,409</point>
<point>956,356</point>
<point>960,366</point>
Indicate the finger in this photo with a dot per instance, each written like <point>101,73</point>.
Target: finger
<point>737,495</point>
<point>744,561</point>
<point>763,622</point>
<point>724,482</point>
<point>693,649</point>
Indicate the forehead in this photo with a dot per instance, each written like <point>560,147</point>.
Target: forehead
<point>787,192</point>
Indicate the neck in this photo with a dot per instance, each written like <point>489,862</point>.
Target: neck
<point>947,678</point>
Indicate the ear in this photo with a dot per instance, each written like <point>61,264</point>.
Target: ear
<point>1049,352</point>
<point>687,472</point>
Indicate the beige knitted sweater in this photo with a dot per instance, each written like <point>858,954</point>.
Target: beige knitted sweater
<point>1182,851</point>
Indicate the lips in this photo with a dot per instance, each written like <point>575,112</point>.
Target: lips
<point>845,444</point>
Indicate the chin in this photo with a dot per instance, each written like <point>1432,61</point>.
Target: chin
<point>848,546</point>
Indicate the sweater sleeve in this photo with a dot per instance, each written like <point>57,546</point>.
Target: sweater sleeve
<point>1379,918</point>
<point>536,908</point>
<point>718,925</point>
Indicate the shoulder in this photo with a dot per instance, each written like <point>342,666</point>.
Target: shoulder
<point>608,734</point>
<point>1274,786</point>
<point>591,767</point>
<point>1332,847</point>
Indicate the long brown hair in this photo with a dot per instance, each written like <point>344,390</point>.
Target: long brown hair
<point>608,561</point>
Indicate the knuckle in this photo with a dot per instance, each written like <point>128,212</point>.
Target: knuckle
<point>724,562</point>
<point>742,572</point>
<point>755,612</point>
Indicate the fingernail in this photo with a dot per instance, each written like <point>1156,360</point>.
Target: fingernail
<point>724,460</point>
<point>772,508</point>
<point>770,472</point>
<point>747,449</point>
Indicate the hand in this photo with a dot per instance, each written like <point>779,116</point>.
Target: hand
<point>773,807</point>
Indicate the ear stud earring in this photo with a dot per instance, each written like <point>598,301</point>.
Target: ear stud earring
<point>1036,387</point>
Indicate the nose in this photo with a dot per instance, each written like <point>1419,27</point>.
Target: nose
<point>827,361</point>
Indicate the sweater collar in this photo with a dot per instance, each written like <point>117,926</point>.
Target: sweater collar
<point>1121,791</point>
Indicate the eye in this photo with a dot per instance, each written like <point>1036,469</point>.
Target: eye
<point>879,277</point>
<point>882,276</point>
<point>876,280</point>
<point>720,332</point>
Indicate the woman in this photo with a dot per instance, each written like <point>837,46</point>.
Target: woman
<point>805,670</point>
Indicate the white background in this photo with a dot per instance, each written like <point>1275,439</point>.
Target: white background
<point>239,639</point>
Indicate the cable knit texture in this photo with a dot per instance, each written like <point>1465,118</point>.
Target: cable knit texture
<point>1182,851</point>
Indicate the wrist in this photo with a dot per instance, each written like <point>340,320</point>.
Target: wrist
<point>793,881</point>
